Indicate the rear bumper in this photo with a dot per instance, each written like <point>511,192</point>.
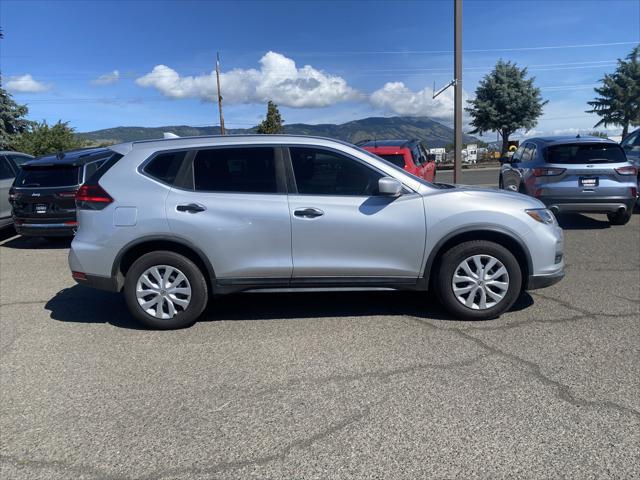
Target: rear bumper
<point>46,229</point>
<point>543,281</point>
<point>109,284</point>
<point>594,205</point>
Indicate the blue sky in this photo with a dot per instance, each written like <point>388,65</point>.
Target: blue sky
<point>99,64</point>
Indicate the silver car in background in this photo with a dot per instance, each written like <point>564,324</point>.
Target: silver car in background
<point>574,174</point>
<point>169,222</point>
<point>9,166</point>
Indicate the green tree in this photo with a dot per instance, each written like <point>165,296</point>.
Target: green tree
<point>618,101</point>
<point>505,102</point>
<point>42,139</point>
<point>273,122</point>
<point>12,119</point>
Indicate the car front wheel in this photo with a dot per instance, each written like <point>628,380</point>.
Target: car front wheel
<point>478,280</point>
<point>165,290</point>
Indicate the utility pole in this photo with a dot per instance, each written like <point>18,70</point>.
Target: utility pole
<point>457,121</point>
<point>222,132</point>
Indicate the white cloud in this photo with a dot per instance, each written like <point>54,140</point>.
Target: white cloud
<point>278,79</point>
<point>26,84</point>
<point>107,79</point>
<point>397,98</point>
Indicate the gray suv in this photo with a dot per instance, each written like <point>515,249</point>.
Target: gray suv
<point>169,222</point>
<point>574,174</point>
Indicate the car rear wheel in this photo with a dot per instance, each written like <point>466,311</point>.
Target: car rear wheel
<point>478,280</point>
<point>619,218</point>
<point>165,290</point>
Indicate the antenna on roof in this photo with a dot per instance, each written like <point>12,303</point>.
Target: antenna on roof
<point>166,135</point>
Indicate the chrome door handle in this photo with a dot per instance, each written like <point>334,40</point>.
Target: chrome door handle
<point>191,208</point>
<point>308,212</point>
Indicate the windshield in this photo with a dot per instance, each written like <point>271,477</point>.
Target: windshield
<point>50,176</point>
<point>586,153</point>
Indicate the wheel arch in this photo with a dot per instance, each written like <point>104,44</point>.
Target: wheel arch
<point>497,234</point>
<point>134,250</point>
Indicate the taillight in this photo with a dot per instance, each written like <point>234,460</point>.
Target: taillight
<point>547,172</point>
<point>629,170</point>
<point>634,192</point>
<point>13,195</point>
<point>92,197</point>
<point>69,194</point>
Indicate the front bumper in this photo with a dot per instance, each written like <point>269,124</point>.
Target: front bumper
<point>543,281</point>
<point>592,204</point>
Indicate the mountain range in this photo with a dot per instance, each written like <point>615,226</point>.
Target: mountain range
<point>432,133</point>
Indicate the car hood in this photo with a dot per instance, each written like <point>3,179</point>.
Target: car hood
<point>489,194</point>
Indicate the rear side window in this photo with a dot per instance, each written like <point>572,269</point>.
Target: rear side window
<point>91,168</point>
<point>19,159</point>
<point>49,176</point>
<point>6,171</point>
<point>585,153</point>
<point>240,170</point>
<point>395,159</point>
<point>165,166</point>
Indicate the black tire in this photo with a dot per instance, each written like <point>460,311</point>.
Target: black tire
<point>619,218</point>
<point>447,268</point>
<point>196,279</point>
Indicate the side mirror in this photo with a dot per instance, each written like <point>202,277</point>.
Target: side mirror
<point>389,186</point>
<point>431,157</point>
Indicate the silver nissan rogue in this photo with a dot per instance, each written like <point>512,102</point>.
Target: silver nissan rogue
<point>170,222</point>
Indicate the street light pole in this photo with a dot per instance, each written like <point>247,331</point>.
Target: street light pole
<point>457,121</point>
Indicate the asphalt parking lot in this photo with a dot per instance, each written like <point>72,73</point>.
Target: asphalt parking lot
<point>339,385</point>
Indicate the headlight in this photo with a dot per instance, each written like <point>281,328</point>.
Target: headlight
<point>542,215</point>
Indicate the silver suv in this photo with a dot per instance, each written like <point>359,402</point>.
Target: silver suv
<point>169,222</point>
<point>574,174</point>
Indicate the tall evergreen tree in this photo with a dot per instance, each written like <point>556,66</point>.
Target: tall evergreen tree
<point>618,101</point>
<point>273,122</point>
<point>505,102</point>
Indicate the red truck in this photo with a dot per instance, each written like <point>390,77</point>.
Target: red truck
<point>408,154</point>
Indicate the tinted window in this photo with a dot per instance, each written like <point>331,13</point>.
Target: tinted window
<point>5,170</point>
<point>321,172</point>
<point>90,169</point>
<point>395,159</point>
<point>247,170</point>
<point>585,153</point>
<point>50,176</point>
<point>518,154</point>
<point>19,159</point>
<point>632,142</point>
<point>529,153</point>
<point>165,166</point>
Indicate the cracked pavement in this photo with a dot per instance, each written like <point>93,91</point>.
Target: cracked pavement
<point>333,385</point>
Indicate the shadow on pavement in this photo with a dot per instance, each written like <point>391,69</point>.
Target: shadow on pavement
<point>36,243</point>
<point>80,304</point>
<point>85,305</point>
<point>577,221</point>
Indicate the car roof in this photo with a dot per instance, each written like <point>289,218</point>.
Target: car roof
<point>71,158</point>
<point>7,152</point>
<point>213,140</point>
<point>565,139</point>
<point>387,143</point>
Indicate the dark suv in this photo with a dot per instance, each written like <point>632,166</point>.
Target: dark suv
<point>43,193</point>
